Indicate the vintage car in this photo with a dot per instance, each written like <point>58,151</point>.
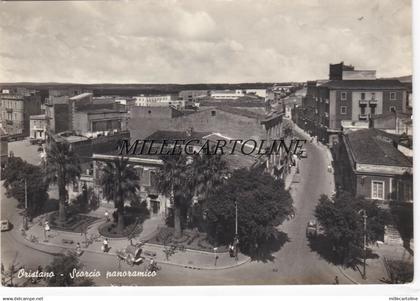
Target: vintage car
<point>312,228</point>
<point>131,255</point>
<point>5,225</point>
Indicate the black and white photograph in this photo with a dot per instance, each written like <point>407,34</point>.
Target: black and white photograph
<point>206,143</point>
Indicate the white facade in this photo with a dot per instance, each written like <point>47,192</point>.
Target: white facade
<point>158,101</point>
<point>38,127</point>
<point>226,94</point>
<point>259,92</point>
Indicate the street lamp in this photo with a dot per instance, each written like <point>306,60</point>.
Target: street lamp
<point>364,241</point>
<point>236,239</point>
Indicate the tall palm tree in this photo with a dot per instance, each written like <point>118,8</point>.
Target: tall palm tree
<point>63,168</point>
<point>120,182</point>
<point>209,173</point>
<point>176,180</point>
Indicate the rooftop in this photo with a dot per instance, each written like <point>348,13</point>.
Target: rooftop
<point>375,147</point>
<point>81,96</point>
<point>170,136</point>
<point>38,117</point>
<point>364,84</point>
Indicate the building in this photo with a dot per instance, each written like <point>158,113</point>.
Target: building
<point>4,147</point>
<point>370,164</point>
<point>262,93</point>
<point>394,122</point>
<point>146,168</point>
<point>15,108</point>
<point>60,110</point>
<point>331,103</point>
<point>192,96</point>
<point>93,121</point>
<point>158,101</point>
<point>226,94</point>
<point>38,127</point>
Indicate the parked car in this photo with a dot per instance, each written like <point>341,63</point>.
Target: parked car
<point>312,228</point>
<point>5,225</point>
<point>303,154</point>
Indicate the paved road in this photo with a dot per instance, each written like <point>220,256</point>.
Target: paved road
<point>294,263</point>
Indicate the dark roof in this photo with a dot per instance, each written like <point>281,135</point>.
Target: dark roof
<point>241,112</point>
<point>364,84</point>
<point>372,146</point>
<point>176,135</point>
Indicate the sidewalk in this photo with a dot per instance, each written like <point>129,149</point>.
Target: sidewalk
<point>376,272</point>
<point>59,242</point>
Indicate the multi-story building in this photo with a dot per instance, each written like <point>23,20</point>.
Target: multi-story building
<point>4,147</point>
<point>356,96</point>
<point>38,127</point>
<point>16,106</point>
<point>158,101</point>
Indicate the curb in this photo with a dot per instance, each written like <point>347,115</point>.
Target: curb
<point>347,276</point>
<point>33,246</point>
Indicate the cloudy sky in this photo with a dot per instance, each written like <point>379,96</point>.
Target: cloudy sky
<point>201,41</point>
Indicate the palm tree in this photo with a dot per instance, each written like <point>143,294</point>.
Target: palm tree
<point>120,182</point>
<point>176,180</point>
<point>63,168</point>
<point>209,173</point>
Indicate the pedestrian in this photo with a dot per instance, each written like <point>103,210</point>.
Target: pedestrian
<point>105,245</point>
<point>107,215</point>
<point>336,280</point>
<point>47,227</point>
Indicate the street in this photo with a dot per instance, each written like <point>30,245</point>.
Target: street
<point>294,263</point>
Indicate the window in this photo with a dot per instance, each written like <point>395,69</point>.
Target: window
<point>213,113</point>
<point>373,95</point>
<point>362,110</point>
<point>343,110</point>
<point>362,96</point>
<point>392,109</point>
<point>372,110</point>
<point>343,96</point>
<point>378,190</point>
<point>393,96</point>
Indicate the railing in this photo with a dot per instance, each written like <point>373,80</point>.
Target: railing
<point>363,102</point>
<point>9,110</point>
<point>373,102</point>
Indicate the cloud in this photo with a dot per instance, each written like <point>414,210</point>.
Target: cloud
<point>200,41</point>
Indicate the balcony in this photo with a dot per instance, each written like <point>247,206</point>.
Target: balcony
<point>373,102</point>
<point>363,116</point>
<point>9,110</point>
<point>363,102</point>
<point>9,122</point>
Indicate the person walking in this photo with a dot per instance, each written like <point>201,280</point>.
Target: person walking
<point>107,215</point>
<point>105,245</point>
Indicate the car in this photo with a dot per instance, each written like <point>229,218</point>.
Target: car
<point>5,225</point>
<point>303,154</point>
<point>312,228</point>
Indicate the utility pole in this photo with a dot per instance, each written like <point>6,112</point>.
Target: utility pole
<point>364,242</point>
<point>25,216</point>
<point>236,240</point>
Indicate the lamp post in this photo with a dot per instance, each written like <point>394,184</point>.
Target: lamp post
<point>364,241</point>
<point>236,239</point>
<point>25,215</point>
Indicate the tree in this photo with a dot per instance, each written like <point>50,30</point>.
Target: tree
<point>15,173</point>
<point>10,272</point>
<point>262,204</point>
<point>210,172</point>
<point>120,182</point>
<point>62,266</point>
<point>343,223</point>
<point>176,180</point>
<point>62,167</point>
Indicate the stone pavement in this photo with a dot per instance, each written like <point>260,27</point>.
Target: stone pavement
<point>56,242</point>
